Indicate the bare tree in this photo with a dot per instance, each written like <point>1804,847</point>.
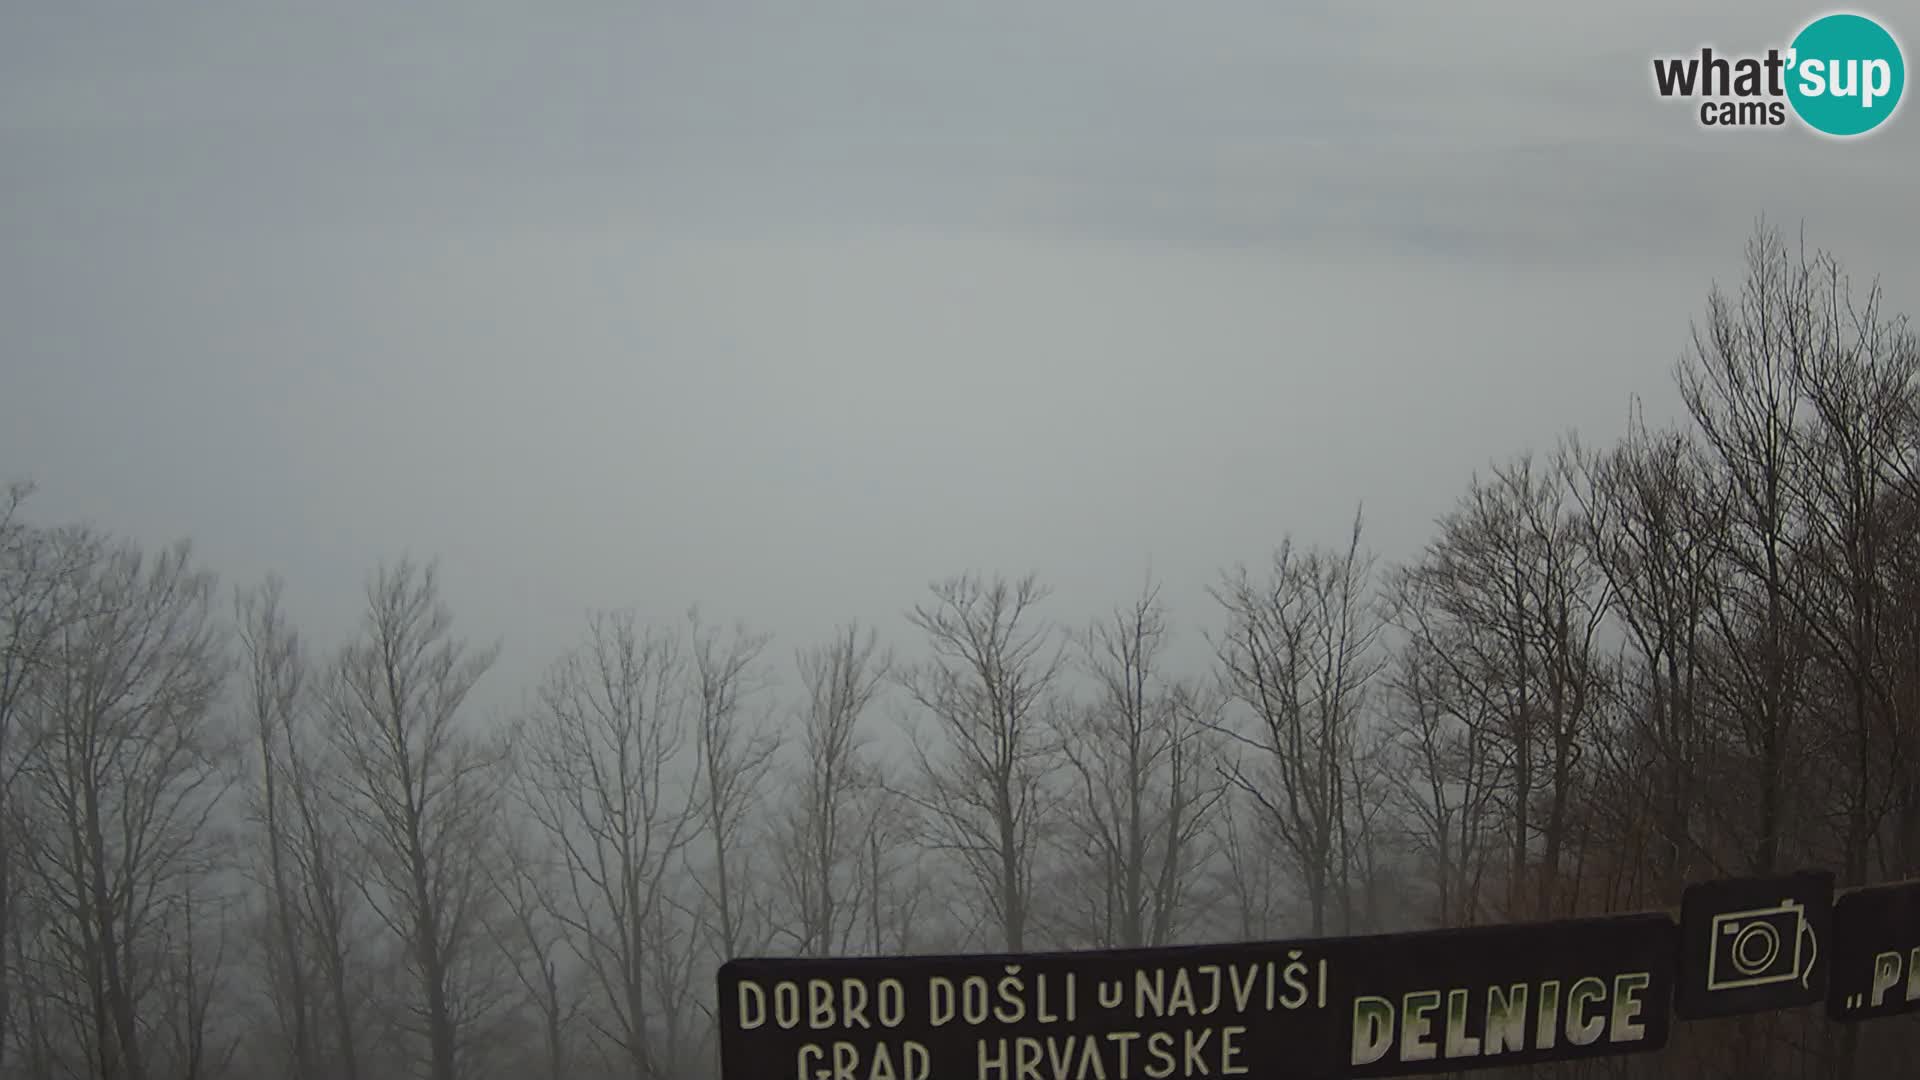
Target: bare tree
<point>127,765</point>
<point>823,861</point>
<point>1299,651</point>
<point>1449,773</point>
<point>422,793</point>
<point>1514,606</point>
<point>606,773</point>
<point>988,689</point>
<point>317,843</point>
<point>30,574</point>
<point>898,881</point>
<point>1742,388</point>
<point>682,985</point>
<point>532,941</point>
<point>1653,523</point>
<point>1368,861</point>
<point>735,756</point>
<point>191,976</point>
<point>1901,620</point>
<point>1145,781</point>
<point>1858,384</point>
<point>309,906</point>
<point>1249,879</point>
<point>274,673</point>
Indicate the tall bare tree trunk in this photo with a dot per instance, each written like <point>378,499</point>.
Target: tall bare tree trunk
<point>988,690</point>
<point>424,790</point>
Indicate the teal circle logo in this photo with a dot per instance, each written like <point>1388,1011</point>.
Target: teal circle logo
<point>1846,76</point>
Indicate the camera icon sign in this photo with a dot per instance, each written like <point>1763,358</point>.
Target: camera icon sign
<point>1762,947</point>
<point>1754,944</point>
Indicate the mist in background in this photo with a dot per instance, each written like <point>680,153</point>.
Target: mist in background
<point>788,311</point>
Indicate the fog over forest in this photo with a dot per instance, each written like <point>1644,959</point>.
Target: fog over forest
<point>501,513</point>
<point>1614,669</point>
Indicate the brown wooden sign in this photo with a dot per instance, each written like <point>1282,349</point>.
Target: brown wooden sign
<point>1876,953</point>
<point>1390,1005</point>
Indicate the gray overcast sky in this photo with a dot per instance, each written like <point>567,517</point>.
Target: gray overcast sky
<point>790,308</point>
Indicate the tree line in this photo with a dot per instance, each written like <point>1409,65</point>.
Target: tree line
<point>227,850</point>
